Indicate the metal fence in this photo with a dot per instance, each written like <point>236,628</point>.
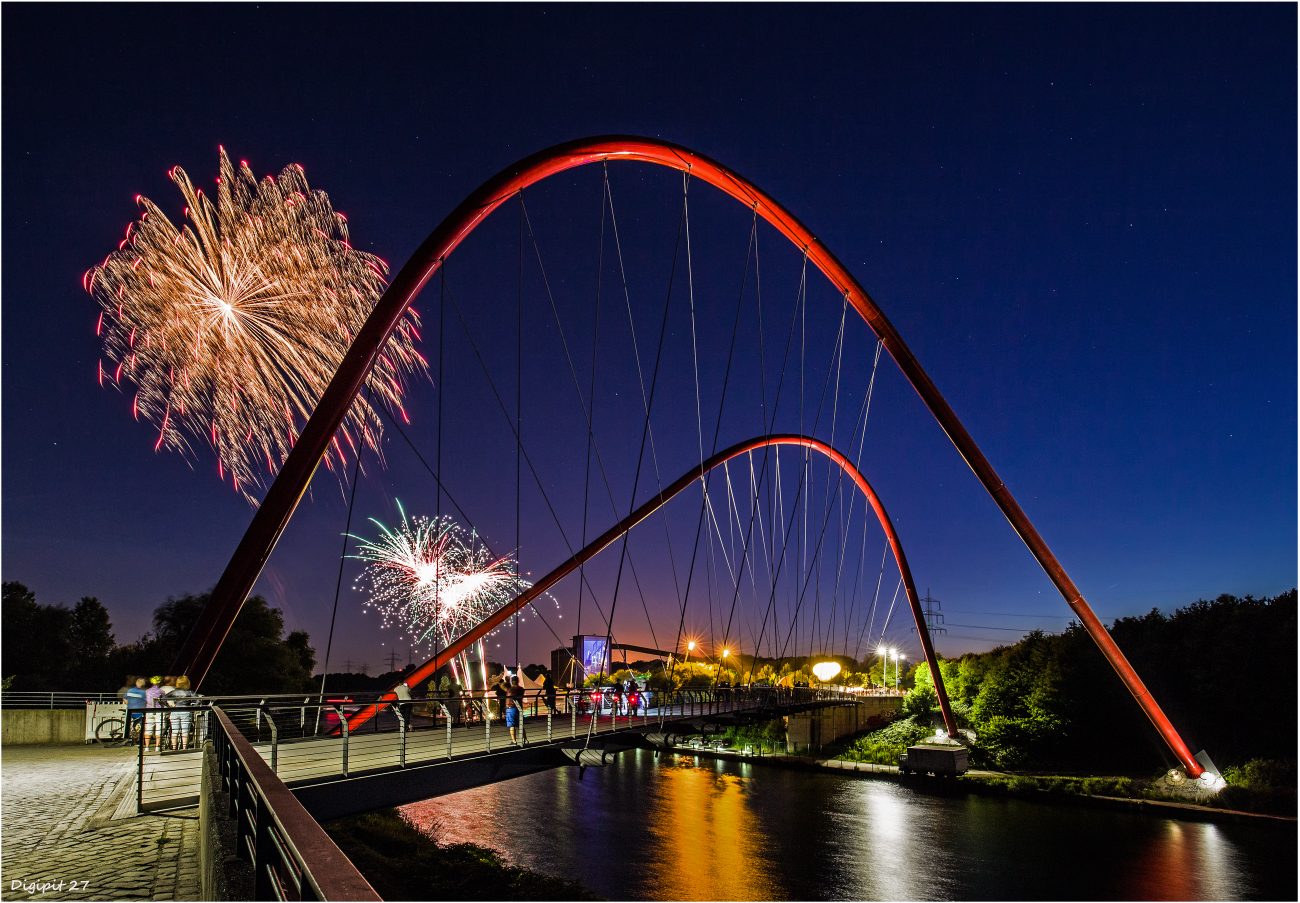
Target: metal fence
<point>292,856</point>
<point>11,699</point>
<point>303,740</point>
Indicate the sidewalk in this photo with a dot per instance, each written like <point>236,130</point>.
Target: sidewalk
<point>70,832</point>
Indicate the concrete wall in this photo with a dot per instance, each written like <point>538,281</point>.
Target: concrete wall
<point>224,876</point>
<point>816,729</point>
<point>24,727</point>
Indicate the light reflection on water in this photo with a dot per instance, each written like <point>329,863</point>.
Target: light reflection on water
<point>686,829</point>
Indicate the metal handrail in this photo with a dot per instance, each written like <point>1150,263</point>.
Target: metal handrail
<point>26,699</point>
<point>292,856</point>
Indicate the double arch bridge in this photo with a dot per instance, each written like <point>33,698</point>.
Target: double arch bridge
<point>294,476</point>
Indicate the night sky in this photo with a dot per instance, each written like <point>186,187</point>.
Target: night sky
<point>1081,218</point>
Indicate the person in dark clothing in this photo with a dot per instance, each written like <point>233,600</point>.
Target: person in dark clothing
<point>548,688</point>
<point>515,708</point>
<point>502,693</point>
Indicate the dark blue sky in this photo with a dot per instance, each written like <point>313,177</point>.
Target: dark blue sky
<point>1081,218</point>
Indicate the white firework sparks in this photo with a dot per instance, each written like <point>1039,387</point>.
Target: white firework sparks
<point>231,326</point>
<point>434,580</point>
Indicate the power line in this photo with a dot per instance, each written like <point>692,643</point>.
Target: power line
<point>1023,614</point>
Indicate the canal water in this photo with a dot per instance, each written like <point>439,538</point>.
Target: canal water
<point>687,828</point>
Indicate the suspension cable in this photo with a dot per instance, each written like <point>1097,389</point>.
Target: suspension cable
<point>451,296</point>
<point>583,404</point>
<point>343,557</point>
<point>519,400</point>
<point>654,382</point>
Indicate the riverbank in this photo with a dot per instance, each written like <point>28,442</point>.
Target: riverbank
<point>1057,791</point>
<point>401,862</point>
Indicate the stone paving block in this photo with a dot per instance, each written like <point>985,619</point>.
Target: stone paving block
<point>58,824</point>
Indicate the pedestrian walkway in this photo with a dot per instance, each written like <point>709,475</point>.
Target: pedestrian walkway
<point>69,830</point>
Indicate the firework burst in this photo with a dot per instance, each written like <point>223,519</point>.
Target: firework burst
<point>231,326</point>
<point>432,579</point>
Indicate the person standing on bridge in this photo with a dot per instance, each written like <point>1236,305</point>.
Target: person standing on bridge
<point>153,717</point>
<point>515,709</point>
<point>502,694</point>
<point>136,701</point>
<point>455,694</point>
<point>548,688</point>
<point>180,699</point>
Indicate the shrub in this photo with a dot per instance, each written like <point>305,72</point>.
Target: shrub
<point>921,702</point>
<point>403,863</point>
<point>883,745</point>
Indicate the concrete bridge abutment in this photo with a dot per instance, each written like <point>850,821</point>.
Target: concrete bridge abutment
<point>812,730</point>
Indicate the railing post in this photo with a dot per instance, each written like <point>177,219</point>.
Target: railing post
<point>236,789</point>
<point>139,778</point>
<point>343,723</point>
<point>447,712</point>
<point>263,885</point>
<point>275,741</point>
<point>401,732</point>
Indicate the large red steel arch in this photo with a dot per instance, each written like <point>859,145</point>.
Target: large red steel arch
<point>295,475</point>
<point>610,536</point>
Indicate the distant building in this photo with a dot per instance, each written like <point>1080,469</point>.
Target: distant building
<point>562,667</point>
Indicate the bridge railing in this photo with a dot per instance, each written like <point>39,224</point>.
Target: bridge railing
<point>302,740</point>
<point>308,741</point>
<point>292,856</point>
<point>23,699</point>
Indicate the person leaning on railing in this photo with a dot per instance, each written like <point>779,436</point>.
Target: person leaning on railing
<point>180,700</point>
<point>404,700</point>
<point>136,701</point>
<point>153,717</point>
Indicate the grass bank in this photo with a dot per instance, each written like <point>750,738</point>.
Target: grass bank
<point>403,863</point>
<point>1263,786</point>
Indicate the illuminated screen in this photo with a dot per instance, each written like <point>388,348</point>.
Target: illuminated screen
<point>594,655</point>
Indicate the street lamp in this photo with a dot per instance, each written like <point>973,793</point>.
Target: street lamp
<point>898,659</point>
<point>884,668</point>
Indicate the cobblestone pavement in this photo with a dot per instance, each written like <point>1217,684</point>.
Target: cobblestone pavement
<point>70,832</point>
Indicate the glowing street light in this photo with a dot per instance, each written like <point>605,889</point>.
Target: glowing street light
<point>898,659</point>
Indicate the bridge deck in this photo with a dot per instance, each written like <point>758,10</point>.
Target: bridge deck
<point>172,779</point>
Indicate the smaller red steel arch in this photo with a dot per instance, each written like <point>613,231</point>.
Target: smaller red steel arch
<point>503,614</point>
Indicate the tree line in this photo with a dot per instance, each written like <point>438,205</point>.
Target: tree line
<point>1224,672</point>
<point>53,647</point>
